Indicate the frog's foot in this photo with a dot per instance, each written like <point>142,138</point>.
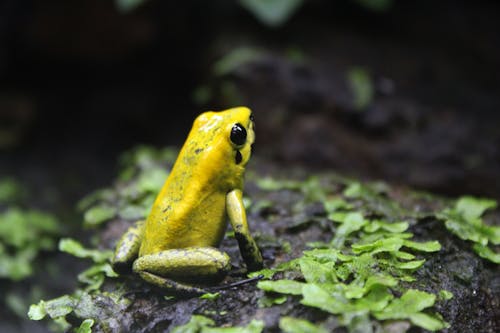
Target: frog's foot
<point>189,265</point>
<point>128,248</point>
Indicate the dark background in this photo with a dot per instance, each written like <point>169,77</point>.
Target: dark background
<point>81,81</point>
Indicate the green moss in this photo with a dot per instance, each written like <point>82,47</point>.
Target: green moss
<point>359,277</point>
<point>23,235</point>
<point>465,221</point>
<point>359,271</point>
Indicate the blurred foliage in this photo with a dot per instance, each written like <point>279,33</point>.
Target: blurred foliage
<point>361,86</point>
<point>10,190</point>
<point>26,238</point>
<point>142,174</point>
<point>24,234</point>
<point>236,58</point>
<point>272,13</point>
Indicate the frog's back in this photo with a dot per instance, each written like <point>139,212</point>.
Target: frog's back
<point>190,208</point>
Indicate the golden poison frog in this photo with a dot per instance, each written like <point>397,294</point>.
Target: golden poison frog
<point>176,246</point>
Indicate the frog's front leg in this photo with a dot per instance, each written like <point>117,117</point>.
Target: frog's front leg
<point>238,219</point>
<point>199,265</point>
<point>127,248</point>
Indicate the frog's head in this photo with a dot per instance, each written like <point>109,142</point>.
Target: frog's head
<point>230,133</point>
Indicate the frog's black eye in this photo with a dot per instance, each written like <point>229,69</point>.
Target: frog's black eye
<point>238,134</point>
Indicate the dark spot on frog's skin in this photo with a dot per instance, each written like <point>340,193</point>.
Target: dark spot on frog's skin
<point>198,150</point>
<point>238,157</point>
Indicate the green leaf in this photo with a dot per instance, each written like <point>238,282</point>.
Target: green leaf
<point>445,295</point>
<point>376,300</point>
<point>473,208</point>
<point>361,86</point>
<point>151,180</point>
<point>355,190</point>
<point>30,227</point>
<point>266,273</point>
<point>404,255</point>
<point>10,190</point>
<point>464,220</point>
<point>383,245</point>
<point>98,214</point>
<point>235,59</point>
<point>295,325</point>
<point>290,287</point>
<point>351,222</point>
<point>95,275</point>
<point>92,198</point>
<point>270,300</point>
<point>57,307</point>
<point>317,272</point>
<point>326,255</point>
<point>37,311</point>
<point>74,248</point>
<point>210,296</point>
<point>466,231</point>
<point>195,324</point>
<point>410,264</point>
<point>19,265</point>
<point>411,302</point>
<point>485,252</point>
<point>336,204</point>
<point>272,12</point>
<point>380,280</point>
<point>273,184</point>
<point>390,227</point>
<point>433,246</point>
<point>315,296</point>
<point>428,322</point>
<point>134,212</point>
<point>85,326</point>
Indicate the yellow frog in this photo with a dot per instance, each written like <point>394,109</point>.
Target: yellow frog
<point>176,245</point>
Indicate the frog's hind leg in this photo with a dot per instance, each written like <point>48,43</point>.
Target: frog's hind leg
<point>198,265</point>
<point>127,248</point>
<point>174,286</point>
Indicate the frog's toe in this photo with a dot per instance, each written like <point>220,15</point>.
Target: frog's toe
<point>122,267</point>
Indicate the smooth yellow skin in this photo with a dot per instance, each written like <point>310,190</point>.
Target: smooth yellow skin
<point>176,245</point>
